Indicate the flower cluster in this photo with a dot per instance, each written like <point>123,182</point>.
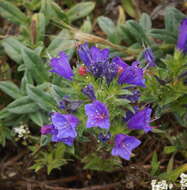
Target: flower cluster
<point>160,185</point>
<point>22,131</point>
<point>102,67</point>
<point>183,181</point>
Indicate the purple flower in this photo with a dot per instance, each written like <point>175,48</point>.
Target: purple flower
<point>120,64</point>
<point>134,97</point>
<point>130,114</point>
<point>141,120</point>
<point>84,54</point>
<point>50,129</point>
<point>98,115</point>
<point>99,55</point>
<point>132,75</point>
<point>60,65</point>
<point>55,137</point>
<point>93,58</point>
<point>149,57</point>
<point>104,138</point>
<point>65,125</point>
<point>124,145</point>
<point>89,91</point>
<point>93,55</point>
<point>110,71</point>
<point>98,63</point>
<point>46,129</point>
<point>68,140</point>
<point>182,36</point>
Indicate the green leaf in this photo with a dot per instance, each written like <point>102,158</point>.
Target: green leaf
<point>108,27</point>
<point>94,162</point>
<point>26,79</point>
<point>51,10</point>
<point>32,5</point>
<point>128,37</point>
<point>55,158</point>
<point>44,140</point>
<point>145,22</point>
<point>4,113</point>
<point>46,9</point>
<point>129,8</point>
<point>80,10</point>
<point>40,23</point>
<point>61,42</point>
<point>5,71</point>
<point>154,164</point>
<point>106,24</point>
<point>174,174</point>
<point>36,167</point>
<point>137,31</point>
<point>170,149</point>
<point>125,92</point>
<point>170,163</point>
<point>38,118</point>
<point>123,102</point>
<point>5,134</point>
<point>43,99</point>
<point>34,64</point>
<point>87,26</point>
<point>11,89</point>
<point>13,48</point>
<point>59,12</point>
<point>164,35</point>
<point>121,17</point>
<point>172,19</point>
<point>12,13</point>
<point>22,105</point>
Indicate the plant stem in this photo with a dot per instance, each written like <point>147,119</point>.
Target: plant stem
<point>85,37</point>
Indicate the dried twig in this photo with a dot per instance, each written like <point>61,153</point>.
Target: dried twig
<point>44,185</point>
<point>95,187</point>
<point>85,37</point>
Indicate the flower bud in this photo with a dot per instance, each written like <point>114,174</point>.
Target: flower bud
<point>82,70</point>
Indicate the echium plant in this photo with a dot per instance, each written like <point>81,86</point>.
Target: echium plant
<point>101,98</point>
<point>166,83</point>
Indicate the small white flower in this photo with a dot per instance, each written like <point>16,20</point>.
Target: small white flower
<point>183,181</point>
<point>22,131</point>
<point>160,185</point>
<point>170,186</point>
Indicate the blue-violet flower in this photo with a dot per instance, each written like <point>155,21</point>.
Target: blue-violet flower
<point>110,71</point>
<point>50,129</point>
<point>98,115</point>
<point>60,65</point>
<point>182,36</point>
<point>65,125</point>
<point>141,120</point>
<point>89,91</point>
<point>46,129</point>
<point>124,145</point>
<point>104,138</point>
<point>93,58</point>
<point>132,75</point>
<point>121,65</point>
<point>149,57</point>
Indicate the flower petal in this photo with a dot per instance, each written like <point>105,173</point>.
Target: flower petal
<point>61,66</point>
